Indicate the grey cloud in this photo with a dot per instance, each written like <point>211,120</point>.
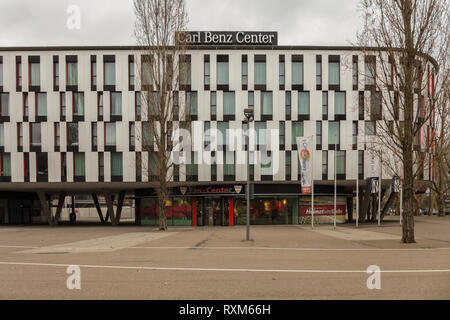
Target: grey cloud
<point>110,22</point>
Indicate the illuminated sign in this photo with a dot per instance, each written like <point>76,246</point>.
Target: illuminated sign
<point>253,38</point>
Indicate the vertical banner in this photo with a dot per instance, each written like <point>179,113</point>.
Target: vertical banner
<point>304,148</point>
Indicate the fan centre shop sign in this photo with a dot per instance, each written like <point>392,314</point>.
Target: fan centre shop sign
<point>253,38</point>
<point>212,190</point>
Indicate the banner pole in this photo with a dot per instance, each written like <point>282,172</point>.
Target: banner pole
<point>312,185</point>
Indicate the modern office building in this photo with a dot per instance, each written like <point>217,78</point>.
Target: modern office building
<point>70,119</point>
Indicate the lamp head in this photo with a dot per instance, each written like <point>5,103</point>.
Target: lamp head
<point>248,112</point>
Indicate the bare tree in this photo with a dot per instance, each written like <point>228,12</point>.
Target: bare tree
<point>440,148</point>
<point>163,72</point>
<point>399,39</point>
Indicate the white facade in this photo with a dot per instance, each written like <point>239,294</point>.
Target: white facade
<point>23,155</point>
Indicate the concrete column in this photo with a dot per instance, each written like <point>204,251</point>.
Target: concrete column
<point>62,197</point>
<point>109,202</point>
<point>97,206</point>
<point>119,206</point>
<point>45,207</point>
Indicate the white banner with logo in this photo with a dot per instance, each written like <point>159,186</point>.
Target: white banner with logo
<point>305,149</point>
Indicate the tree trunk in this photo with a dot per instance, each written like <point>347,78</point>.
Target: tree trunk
<point>162,200</point>
<point>441,204</point>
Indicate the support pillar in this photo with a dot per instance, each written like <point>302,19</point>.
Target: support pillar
<point>107,212</point>
<point>109,203</point>
<point>119,206</point>
<point>99,210</point>
<point>45,207</point>
<point>62,197</point>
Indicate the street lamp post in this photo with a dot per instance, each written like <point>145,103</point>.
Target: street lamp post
<point>249,118</point>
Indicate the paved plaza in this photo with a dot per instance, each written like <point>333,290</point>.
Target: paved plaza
<point>281,262</point>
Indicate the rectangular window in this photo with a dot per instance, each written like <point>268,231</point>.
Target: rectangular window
<point>361,105</point>
<point>185,70</point>
<point>131,71</point>
<point>176,106</point>
<point>318,133</point>
<point>288,165</point>
<point>340,162</point>
<point>1,71</point>
<point>325,165</point>
<point>93,71</point>
<point>229,104</point>
<point>355,72</point>
<point>116,164</point>
<point>333,132</point>
<point>110,134</point>
<point>192,102</point>
<point>79,164</point>
<point>244,69</point>
<point>78,103</point>
<point>20,134</point>
<point>55,72</point>
<point>260,70</point>
<point>42,163</point>
<point>192,167</point>
<point>4,104</point>
<point>207,70</point>
<point>213,103</point>
<point>261,129</point>
<point>228,166</point>
<point>139,166</point>
<point>101,164</point>
<point>2,135</point>
<point>297,131</point>
<point>138,106</point>
<point>318,70</point>
<point>100,104</point>
<point>116,103</point>
<point>375,105</point>
<point>72,73</point>
<point>35,74</point>
<point>62,104</point>
<point>297,70</point>
<point>370,128</point>
<point>339,103</point>
<point>41,104</point>
<point>222,139</point>
<point>282,133</point>
<point>222,70</point>
<point>206,134</point>
<point>325,104</point>
<point>303,103</point>
<point>133,134</point>
<point>146,66</point>
<point>94,134</point>
<point>282,71</point>
<point>57,135</point>
<point>18,73</point>
<point>63,166</point>
<point>147,135</point>
<point>333,71</point>
<point>251,99</point>
<point>72,134</point>
<point>288,103</point>
<point>370,69</point>
<point>5,164</point>
<point>360,164</point>
<point>355,134</point>
<point>266,103</point>
<point>110,73</point>
<point>35,137</point>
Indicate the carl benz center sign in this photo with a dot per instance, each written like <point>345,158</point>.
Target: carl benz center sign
<point>253,38</point>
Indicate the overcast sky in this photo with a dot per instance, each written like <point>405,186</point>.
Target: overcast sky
<point>110,22</point>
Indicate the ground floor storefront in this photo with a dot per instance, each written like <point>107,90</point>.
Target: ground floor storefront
<point>270,204</point>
